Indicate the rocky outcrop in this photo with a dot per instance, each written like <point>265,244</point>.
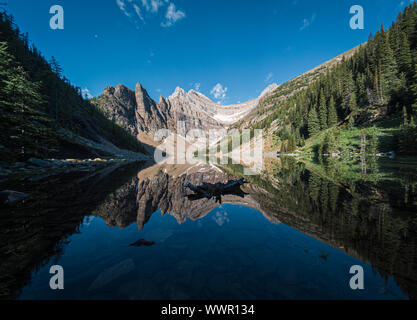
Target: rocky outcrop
<point>150,116</point>
<point>119,105</point>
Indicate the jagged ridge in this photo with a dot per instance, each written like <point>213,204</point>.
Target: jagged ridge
<point>137,112</point>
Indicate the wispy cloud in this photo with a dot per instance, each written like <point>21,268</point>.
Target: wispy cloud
<point>269,77</point>
<point>86,94</point>
<point>197,86</point>
<point>122,6</point>
<point>219,92</point>
<point>140,10</point>
<point>308,22</point>
<point>151,55</point>
<point>173,15</point>
<point>153,5</point>
<point>404,3</point>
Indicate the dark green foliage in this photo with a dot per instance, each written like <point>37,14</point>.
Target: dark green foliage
<point>323,111</point>
<point>404,55</point>
<point>313,122</point>
<point>292,144</point>
<point>329,143</point>
<point>373,142</point>
<point>407,137</point>
<point>332,117</point>
<point>24,129</point>
<point>353,106</point>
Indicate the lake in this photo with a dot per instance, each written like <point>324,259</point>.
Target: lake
<point>138,232</point>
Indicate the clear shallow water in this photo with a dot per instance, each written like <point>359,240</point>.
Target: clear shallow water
<point>234,252</point>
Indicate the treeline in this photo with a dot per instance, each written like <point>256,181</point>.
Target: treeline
<point>36,101</point>
<point>380,79</point>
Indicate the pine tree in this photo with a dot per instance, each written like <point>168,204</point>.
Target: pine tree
<point>373,142</point>
<point>5,60</point>
<point>353,106</point>
<point>404,55</point>
<point>313,122</point>
<point>389,68</point>
<point>351,122</point>
<point>292,145</point>
<point>413,90</point>
<point>408,138</point>
<point>412,133</point>
<point>348,86</point>
<point>332,118</point>
<point>409,24</point>
<point>57,70</point>
<point>56,67</point>
<point>323,111</point>
<point>362,90</point>
<point>23,97</point>
<point>330,143</point>
<point>405,117</point>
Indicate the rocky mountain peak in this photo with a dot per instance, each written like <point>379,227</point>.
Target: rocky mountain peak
<point>139,113</point>
<point>109,90</point>
<point>142,99</point>
<point>269,89</point>
<point>179,92</point>
<point>139,90</point>
<point>122,92</point>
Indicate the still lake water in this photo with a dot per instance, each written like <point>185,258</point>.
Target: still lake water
<point>243,248</point>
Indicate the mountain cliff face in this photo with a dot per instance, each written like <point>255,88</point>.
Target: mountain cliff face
<point>137,112</point>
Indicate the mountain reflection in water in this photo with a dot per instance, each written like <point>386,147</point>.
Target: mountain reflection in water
<point>354,222</point>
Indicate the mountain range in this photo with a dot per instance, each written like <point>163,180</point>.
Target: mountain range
<point>181,112</point>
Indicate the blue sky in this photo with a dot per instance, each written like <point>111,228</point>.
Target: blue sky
<point>228,49</point>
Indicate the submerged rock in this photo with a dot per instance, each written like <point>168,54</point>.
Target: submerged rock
<point>323,255</point>
<point>112,273</point>
<point>10,196</point>
<point>142,242</point>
